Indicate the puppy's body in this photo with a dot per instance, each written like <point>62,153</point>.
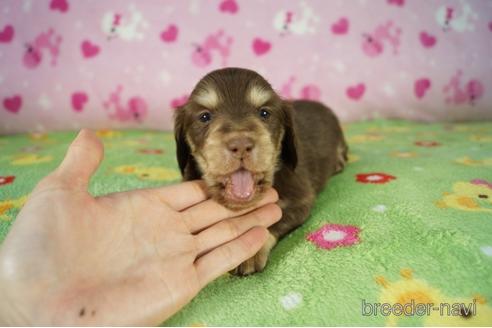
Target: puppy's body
<point>239,136</point>
<point>321,152</point>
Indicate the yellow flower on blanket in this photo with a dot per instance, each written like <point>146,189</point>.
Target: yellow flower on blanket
<point>389,129</point>
<point>403,154</point>
<point>475,196</point>
<point>40,137</point>
<point>123,144</point>
<point>106,133</point>
<point>362,138</point>
<point>481,138</point>
<point>30,159</point>
<point>406,294</point>
<point>474,162</point>
<point>352,158</point>
<point>155,173</point>
<point>458,127</point>
<point>10,204</point>
<point>405,291</point>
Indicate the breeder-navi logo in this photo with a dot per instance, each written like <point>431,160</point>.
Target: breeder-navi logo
<point>410,298</point>
<point>418,309</point>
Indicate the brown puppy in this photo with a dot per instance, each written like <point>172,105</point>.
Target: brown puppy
<point>239,136</point>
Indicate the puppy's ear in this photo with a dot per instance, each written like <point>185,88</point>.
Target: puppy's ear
<point>289,142</point>
<point>186,162</point>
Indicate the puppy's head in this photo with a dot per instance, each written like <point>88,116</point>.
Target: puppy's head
<point>234,132</point>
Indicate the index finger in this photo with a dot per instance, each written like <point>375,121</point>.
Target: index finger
<point>182,195</point>
<point>228,256</point>
<point>209,212</point>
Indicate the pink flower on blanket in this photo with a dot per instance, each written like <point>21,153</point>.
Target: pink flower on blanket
<point>331,236</point>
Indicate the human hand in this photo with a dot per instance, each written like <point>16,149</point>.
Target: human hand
<point>129,258</point>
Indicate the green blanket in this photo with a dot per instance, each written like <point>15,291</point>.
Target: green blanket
<point>409,221</point>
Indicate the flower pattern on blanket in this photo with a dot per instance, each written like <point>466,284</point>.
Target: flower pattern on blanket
<point>377,178</point>
<point>475,196</point>
<point>152,173</point>
<point>30,159</point>
<point>9,206</point>
<point>331,236</point>
<point>466,160</point>
<point>6,180</point>
<point>356,229</point>
<point>408,290</point>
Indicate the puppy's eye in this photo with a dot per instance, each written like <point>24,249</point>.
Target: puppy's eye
<point>264,113</point>
<point>205,117</point>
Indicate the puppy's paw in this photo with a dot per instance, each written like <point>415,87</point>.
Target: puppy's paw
<point>258,262</point>
<point>342,158</point>
<point>255,264</point>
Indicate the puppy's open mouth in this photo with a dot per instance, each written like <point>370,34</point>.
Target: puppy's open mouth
<point>240,186</point>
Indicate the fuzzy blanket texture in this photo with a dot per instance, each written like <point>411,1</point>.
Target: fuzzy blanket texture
<point>409,221</point>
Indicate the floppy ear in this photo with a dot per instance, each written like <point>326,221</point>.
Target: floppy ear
<point>186,161</point>
<point>289,142</point>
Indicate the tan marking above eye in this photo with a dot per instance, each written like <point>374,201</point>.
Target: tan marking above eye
<point>207,98</point>
<point>258,96</point>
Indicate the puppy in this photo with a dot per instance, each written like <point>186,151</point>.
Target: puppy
<point>240,137</point>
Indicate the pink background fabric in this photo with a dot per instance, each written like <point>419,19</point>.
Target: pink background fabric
<point>67,64</point>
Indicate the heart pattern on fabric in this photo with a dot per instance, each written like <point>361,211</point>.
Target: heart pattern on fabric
<point>79,99</point>
<point>89,49</point>
<point>341,26</point>
<point>421,86</point>
<point>356,92</point>
<point>13,104</point>
<point>261,47</point>
<point>7,34</point>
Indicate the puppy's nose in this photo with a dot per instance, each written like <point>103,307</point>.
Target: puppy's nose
<point>240,146</point>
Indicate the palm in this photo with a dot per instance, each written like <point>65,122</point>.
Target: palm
<point>97,260</point>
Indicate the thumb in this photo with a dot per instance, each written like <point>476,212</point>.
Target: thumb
<point>82,159</point>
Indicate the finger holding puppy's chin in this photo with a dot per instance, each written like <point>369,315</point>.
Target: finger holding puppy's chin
<point>209,212</point>
<point>257,198</point>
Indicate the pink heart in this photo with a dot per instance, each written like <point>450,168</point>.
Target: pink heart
<point>78,101</point>
<point>61,5</point>
<point>397,2</point>
<point>341,26</point>
<point>356,92</point>
<point>261,47</point>
<point>421,86</point>
<point>89,49</point>
<point>427,40</point>
<point>7,34</point>
<point>170,34</point>
<point>490,26</point>
<point>13,104</point>
<point>229,6</point>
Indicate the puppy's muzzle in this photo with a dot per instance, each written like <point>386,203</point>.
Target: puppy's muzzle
<point>240,184</point>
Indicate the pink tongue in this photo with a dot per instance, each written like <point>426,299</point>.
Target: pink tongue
<point>242,184</point>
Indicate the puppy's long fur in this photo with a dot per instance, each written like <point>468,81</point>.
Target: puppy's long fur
<point>238,135</point>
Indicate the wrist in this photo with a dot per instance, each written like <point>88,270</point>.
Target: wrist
<point>16,301</point>
<point>9,310</point>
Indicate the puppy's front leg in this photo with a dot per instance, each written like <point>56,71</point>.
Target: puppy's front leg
<point>258,262</point>
<point>293,216</point>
